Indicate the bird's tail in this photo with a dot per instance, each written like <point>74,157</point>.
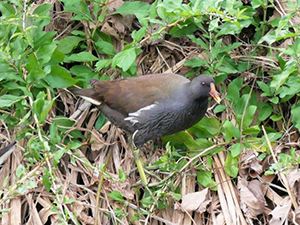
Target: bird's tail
<point>87,94</point>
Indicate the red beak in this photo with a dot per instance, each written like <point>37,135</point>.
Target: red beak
<point>214,94</point>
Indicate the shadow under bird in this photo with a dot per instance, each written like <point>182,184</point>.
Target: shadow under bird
<point>152,106</point>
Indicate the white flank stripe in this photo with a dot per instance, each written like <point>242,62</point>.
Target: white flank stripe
<point>134,117</point>
<point>4,157</point>
<point>93,101</point>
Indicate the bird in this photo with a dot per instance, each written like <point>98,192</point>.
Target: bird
<point>151,106</point>
<point>6,152</point>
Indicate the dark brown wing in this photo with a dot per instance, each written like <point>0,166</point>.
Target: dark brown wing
<point>129,95</point>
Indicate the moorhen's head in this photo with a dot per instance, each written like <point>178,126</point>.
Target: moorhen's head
<point>203,86</point>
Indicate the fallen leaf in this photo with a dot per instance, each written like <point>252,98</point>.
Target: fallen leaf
<point>281,212</point>
<point>252,197</point>
<point>96,140</point>
<point>196,201</point>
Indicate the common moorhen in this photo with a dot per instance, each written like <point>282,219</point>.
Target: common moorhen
<point>152,106</point>
<point>6,152</point>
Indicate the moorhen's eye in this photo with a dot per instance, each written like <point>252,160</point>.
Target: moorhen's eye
<point>203,83</point>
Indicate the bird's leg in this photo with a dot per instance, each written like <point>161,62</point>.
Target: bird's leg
<point>139,164</point>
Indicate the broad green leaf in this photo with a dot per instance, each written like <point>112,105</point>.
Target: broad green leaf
<point>67,44</point>
<point>205,178</point>
<point>257,3</point>
<point>82,57</point>
<point>212,125</point>
<point>249,115</point>
<point>296,115</point>
<point>195,62</point>
<point>124,59</point>
<point>236,149</point>
<point>84,73</point>
<point>47,179</point>
<point>43,10</point>
<point>183,30</point>
<point>138,35</point>
<point>102,64</point>
<point>34,68</point>
<point>6,9</point>
<point>181,137</point>
<point>233,92</point>
<point>20,171</point>
<point>147,201</point>
<point>58,155</point>
<point>105,48</point>
<point>78,7</point>
<point>139,9</point>
<point>41,107</point>
<point>265,88</point>
<point>276,117</point>
<point>116,195</point>
<point>44,54</point>
<point>9,100</point>
<point>216,49</point>
<point>231,165</point>
<point>228,130</point>
<point>220,108</point>
<point>265,112</point>
<point>281,77</point>
<point>59,78</point>
<point>254,130</point>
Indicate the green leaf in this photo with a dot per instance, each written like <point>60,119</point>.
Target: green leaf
<point>138,35</point>
<point>46,179</point>
<point>147,201</point>
<point>116,195</point>
<point>233,92</point>
<point>124,59</point>
<point>281,77</point>
<point>228,130</point>
<point>254,130</point>
<point>78,7</point>
<point>139,9</point>
<point>20,171</point>
<point>296,115</point>
<point>212,125</point>
<point>84,73</point>
<point>249,115</point>
<point>43,10</point>
<point>216,49</point>
<point>231,165</point>
<point>34,69</point>
<point>44,54</point>
<point>276,117</point>
<point>102,64</point>
<point>105,47</point>
<point>9,100</point>
<point>67,44</point>
<point>58,155</point>
<point>59,78</point>
<point>195,62</point>
<point>6,9</point>
<point>181,137</point>
<point>205,178</point>
<point>220,108</point>
<point>236,149</point>
<point>82,57</point>
<point>265,88</point>
<point>265,112</point>
<point>41,107</point>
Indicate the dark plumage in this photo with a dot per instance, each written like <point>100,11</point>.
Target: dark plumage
<point>152,106</point>
<point>6,152</point>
